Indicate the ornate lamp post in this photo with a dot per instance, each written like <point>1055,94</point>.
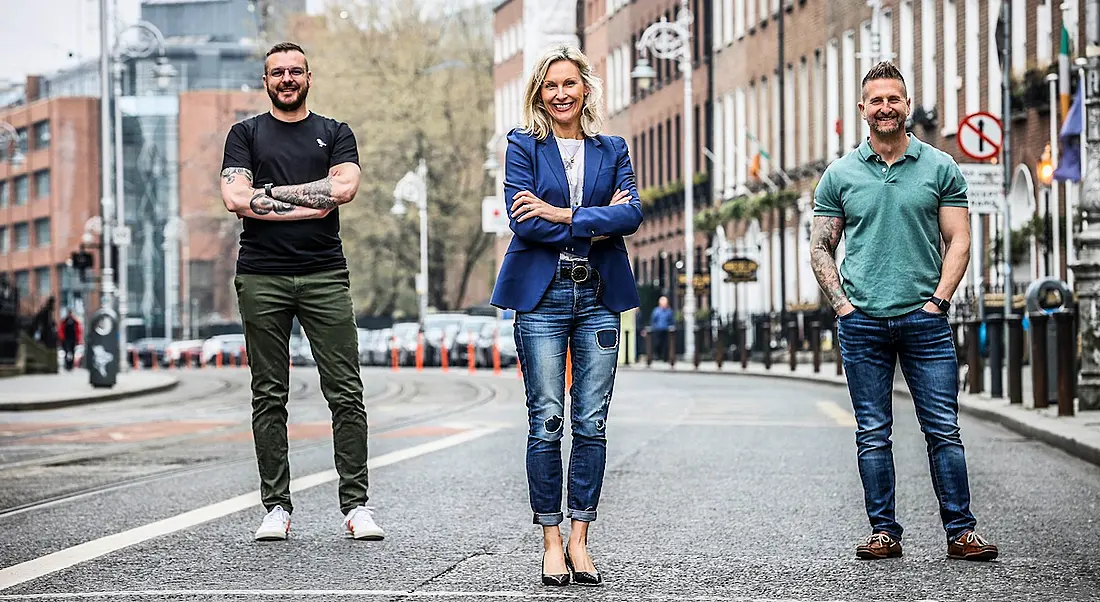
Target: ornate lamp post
<point>413,188</point>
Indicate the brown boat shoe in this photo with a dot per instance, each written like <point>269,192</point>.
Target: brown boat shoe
<point>878,546</point>
<point>971,546</point>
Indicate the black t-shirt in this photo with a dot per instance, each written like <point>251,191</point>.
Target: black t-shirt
<point>285,153</point>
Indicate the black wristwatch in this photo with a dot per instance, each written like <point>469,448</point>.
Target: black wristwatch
<point>267,189</point>
<point>943,304</point>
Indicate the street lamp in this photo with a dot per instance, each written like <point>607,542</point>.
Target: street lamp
<point>413,188</point>
<point>672,40</point>
<point>9,136</point>
<point>137,41</point>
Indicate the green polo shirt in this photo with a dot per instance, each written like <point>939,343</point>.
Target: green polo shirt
<point>892,257</point>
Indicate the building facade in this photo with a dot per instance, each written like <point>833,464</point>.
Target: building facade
<point>766,128</point>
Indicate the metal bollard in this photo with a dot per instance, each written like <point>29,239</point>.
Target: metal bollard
<point>836,348</point>
<point>767,343</point>
<point>1039,368</point>
<point>994,337</point>
<point>792,343</point>
<point>741,340</point>
<point>815,343</point>
<point>720,347</point>
<point>648,348</point>
<point>1015,326</point>
<point>973,357</point>
<point>1067,360</point>
<point>698,338</point>
<point>671,334</point>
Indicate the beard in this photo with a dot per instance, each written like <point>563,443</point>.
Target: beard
<point>891,126</point>
<point>294,105</point>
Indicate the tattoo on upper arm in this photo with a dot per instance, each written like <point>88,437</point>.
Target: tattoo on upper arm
<point>230,174</point>
<point>261,205</point>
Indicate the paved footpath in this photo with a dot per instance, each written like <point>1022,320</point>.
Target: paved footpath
<point>47,391</point>
<point>1078,435</point>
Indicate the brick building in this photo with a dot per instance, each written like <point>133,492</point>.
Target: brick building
<point>947,51</point>
<point>49,187</point>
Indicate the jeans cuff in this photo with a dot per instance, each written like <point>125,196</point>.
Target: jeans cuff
<point>585,516</point>
<point>548,520</point>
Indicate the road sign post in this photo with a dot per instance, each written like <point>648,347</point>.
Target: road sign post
<point>980,136</point>
<point>494,219</point>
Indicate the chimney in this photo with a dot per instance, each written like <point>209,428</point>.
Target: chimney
<point>33,89</point>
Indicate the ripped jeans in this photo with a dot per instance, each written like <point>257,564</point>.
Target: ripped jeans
<point>569,313</point>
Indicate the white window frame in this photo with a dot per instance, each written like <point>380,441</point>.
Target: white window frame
<point>832,98</point>
<point>821,125</point>
<point>1044,34</point>
<point>928,37</point>
<point>803,103</point>
<point>729,126</point>
<point>994,72</point>
<point>740,152</point>
<point>950,121</point>
<point>850,86</point>
<point>1019,36</point>
<point>972,95</point>
<point>790,155</point>
<point>865,64</point>
<point>739,7</point>
<point>906,45</point>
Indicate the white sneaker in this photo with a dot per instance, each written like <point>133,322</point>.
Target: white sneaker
<point>360,525</point>
<point>276,525</point>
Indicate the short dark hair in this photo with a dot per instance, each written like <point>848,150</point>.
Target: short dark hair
<point>285,47</point>
<point>883,70</point>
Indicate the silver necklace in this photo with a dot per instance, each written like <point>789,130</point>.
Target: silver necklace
<point>569,162</point>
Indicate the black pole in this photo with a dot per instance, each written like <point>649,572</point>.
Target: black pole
<point>1067,360</point>
<point>782,214</point>
<point>1039,368</point>
<point>974,356</point>
<point>994,337</point>
<point>1014,323</point>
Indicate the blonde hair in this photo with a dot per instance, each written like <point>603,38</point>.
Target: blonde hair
<point>536,119</point>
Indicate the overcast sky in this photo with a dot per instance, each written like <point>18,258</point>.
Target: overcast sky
<point>47,35</point>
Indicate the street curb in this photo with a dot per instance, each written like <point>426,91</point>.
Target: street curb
<point>54,404</point>
<point>1065,443</point>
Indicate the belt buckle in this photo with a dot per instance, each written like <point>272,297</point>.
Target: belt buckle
<point>582,270</point>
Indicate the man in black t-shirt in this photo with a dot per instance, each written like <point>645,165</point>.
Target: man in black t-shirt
<point>285,173</point>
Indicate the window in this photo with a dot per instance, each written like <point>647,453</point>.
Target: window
<point>928,53</point>
<point>4,193</point>
<point>790,158</point>
<point>23,284</point>
<point>1019,35</point>
<point>832,101</point>
<point>21,191</point>
<point>950,121</point>
<point>729,169</point>
<point>803,97</point>
<point>42,184</point>
<point>739,17</point>
<point>821,122</point>
<point>740,160</point>
<point>993,86</point>
<point>22,236</point>
<point>718,173</point>
<point>905,45</point>
<point>718,22</point>
<point>4,240</point>
<point>1044,30</point>
<point>42,232</point>
<point>42,284</point>
<point>865,64</point>
<point>21,140</point>
<point>848,109</point>
<point>42,135</point>
<point>971,67</point>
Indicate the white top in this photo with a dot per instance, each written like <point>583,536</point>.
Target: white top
<point>572,156</point>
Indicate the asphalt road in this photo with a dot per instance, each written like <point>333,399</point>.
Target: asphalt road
<point>717,488</point>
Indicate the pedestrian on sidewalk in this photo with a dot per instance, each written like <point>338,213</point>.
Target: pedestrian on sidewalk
<point>894,198</point>
<point>285,173</point>
<point>69,333</point>
<point>571,197</point>
<point>661,321</point>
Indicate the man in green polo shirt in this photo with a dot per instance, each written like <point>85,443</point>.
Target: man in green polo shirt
<point>894,198</point>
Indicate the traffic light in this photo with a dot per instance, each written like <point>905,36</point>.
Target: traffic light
<point>1045,168</point>
<point>81,260</point>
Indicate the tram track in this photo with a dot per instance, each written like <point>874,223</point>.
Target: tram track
<point>481,394</point>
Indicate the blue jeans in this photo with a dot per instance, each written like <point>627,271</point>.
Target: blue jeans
<point>569,314</point>
<point>870,347</point>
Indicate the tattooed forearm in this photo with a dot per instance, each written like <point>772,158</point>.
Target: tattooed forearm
<point>230,174</point>
<point>314,195</point>
<point>823,242</point>
<point>262,205</point>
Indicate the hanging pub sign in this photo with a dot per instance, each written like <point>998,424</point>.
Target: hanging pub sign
<point>702,281</point>
<point>740,269</point>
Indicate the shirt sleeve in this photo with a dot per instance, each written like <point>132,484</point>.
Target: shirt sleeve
<point>343,147</point>
<point>238,148</point>
<point>826,198</point>
<point>953,187</point>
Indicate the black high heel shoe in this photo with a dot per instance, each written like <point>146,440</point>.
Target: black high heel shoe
<point>555,580</point>
<point>582,577</point>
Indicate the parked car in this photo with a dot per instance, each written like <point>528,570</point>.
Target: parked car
<point>231,347</point>
<point>503,333</point>
<point>364,336</point>
<point>180,353</point>
<point>405,338</point>
<point>379,350</point>
<point>439,332</point>
<point>467,333</point>
<point>148,350</point>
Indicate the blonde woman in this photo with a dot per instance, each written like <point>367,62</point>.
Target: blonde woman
<point>571,198</point>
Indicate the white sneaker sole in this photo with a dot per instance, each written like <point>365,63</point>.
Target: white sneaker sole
<point>271,535</point>
<point>367,536</point>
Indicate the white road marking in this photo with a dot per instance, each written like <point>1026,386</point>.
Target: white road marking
<point>838,414</point>
<point>63,559</point>
<point>334,593</point>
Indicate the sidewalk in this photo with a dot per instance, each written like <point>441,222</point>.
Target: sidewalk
<point>1078,435</point>
<point>47,391</point>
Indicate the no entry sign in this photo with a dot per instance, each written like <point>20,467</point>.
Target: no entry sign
<point>980,136</point>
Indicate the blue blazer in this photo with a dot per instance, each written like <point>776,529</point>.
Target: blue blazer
<point>532,258</point>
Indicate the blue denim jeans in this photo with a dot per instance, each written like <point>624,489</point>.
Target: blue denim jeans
<point>569,314</point>
<point>870,348</point>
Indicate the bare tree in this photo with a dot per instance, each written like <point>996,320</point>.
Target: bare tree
<point>412,83</point>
